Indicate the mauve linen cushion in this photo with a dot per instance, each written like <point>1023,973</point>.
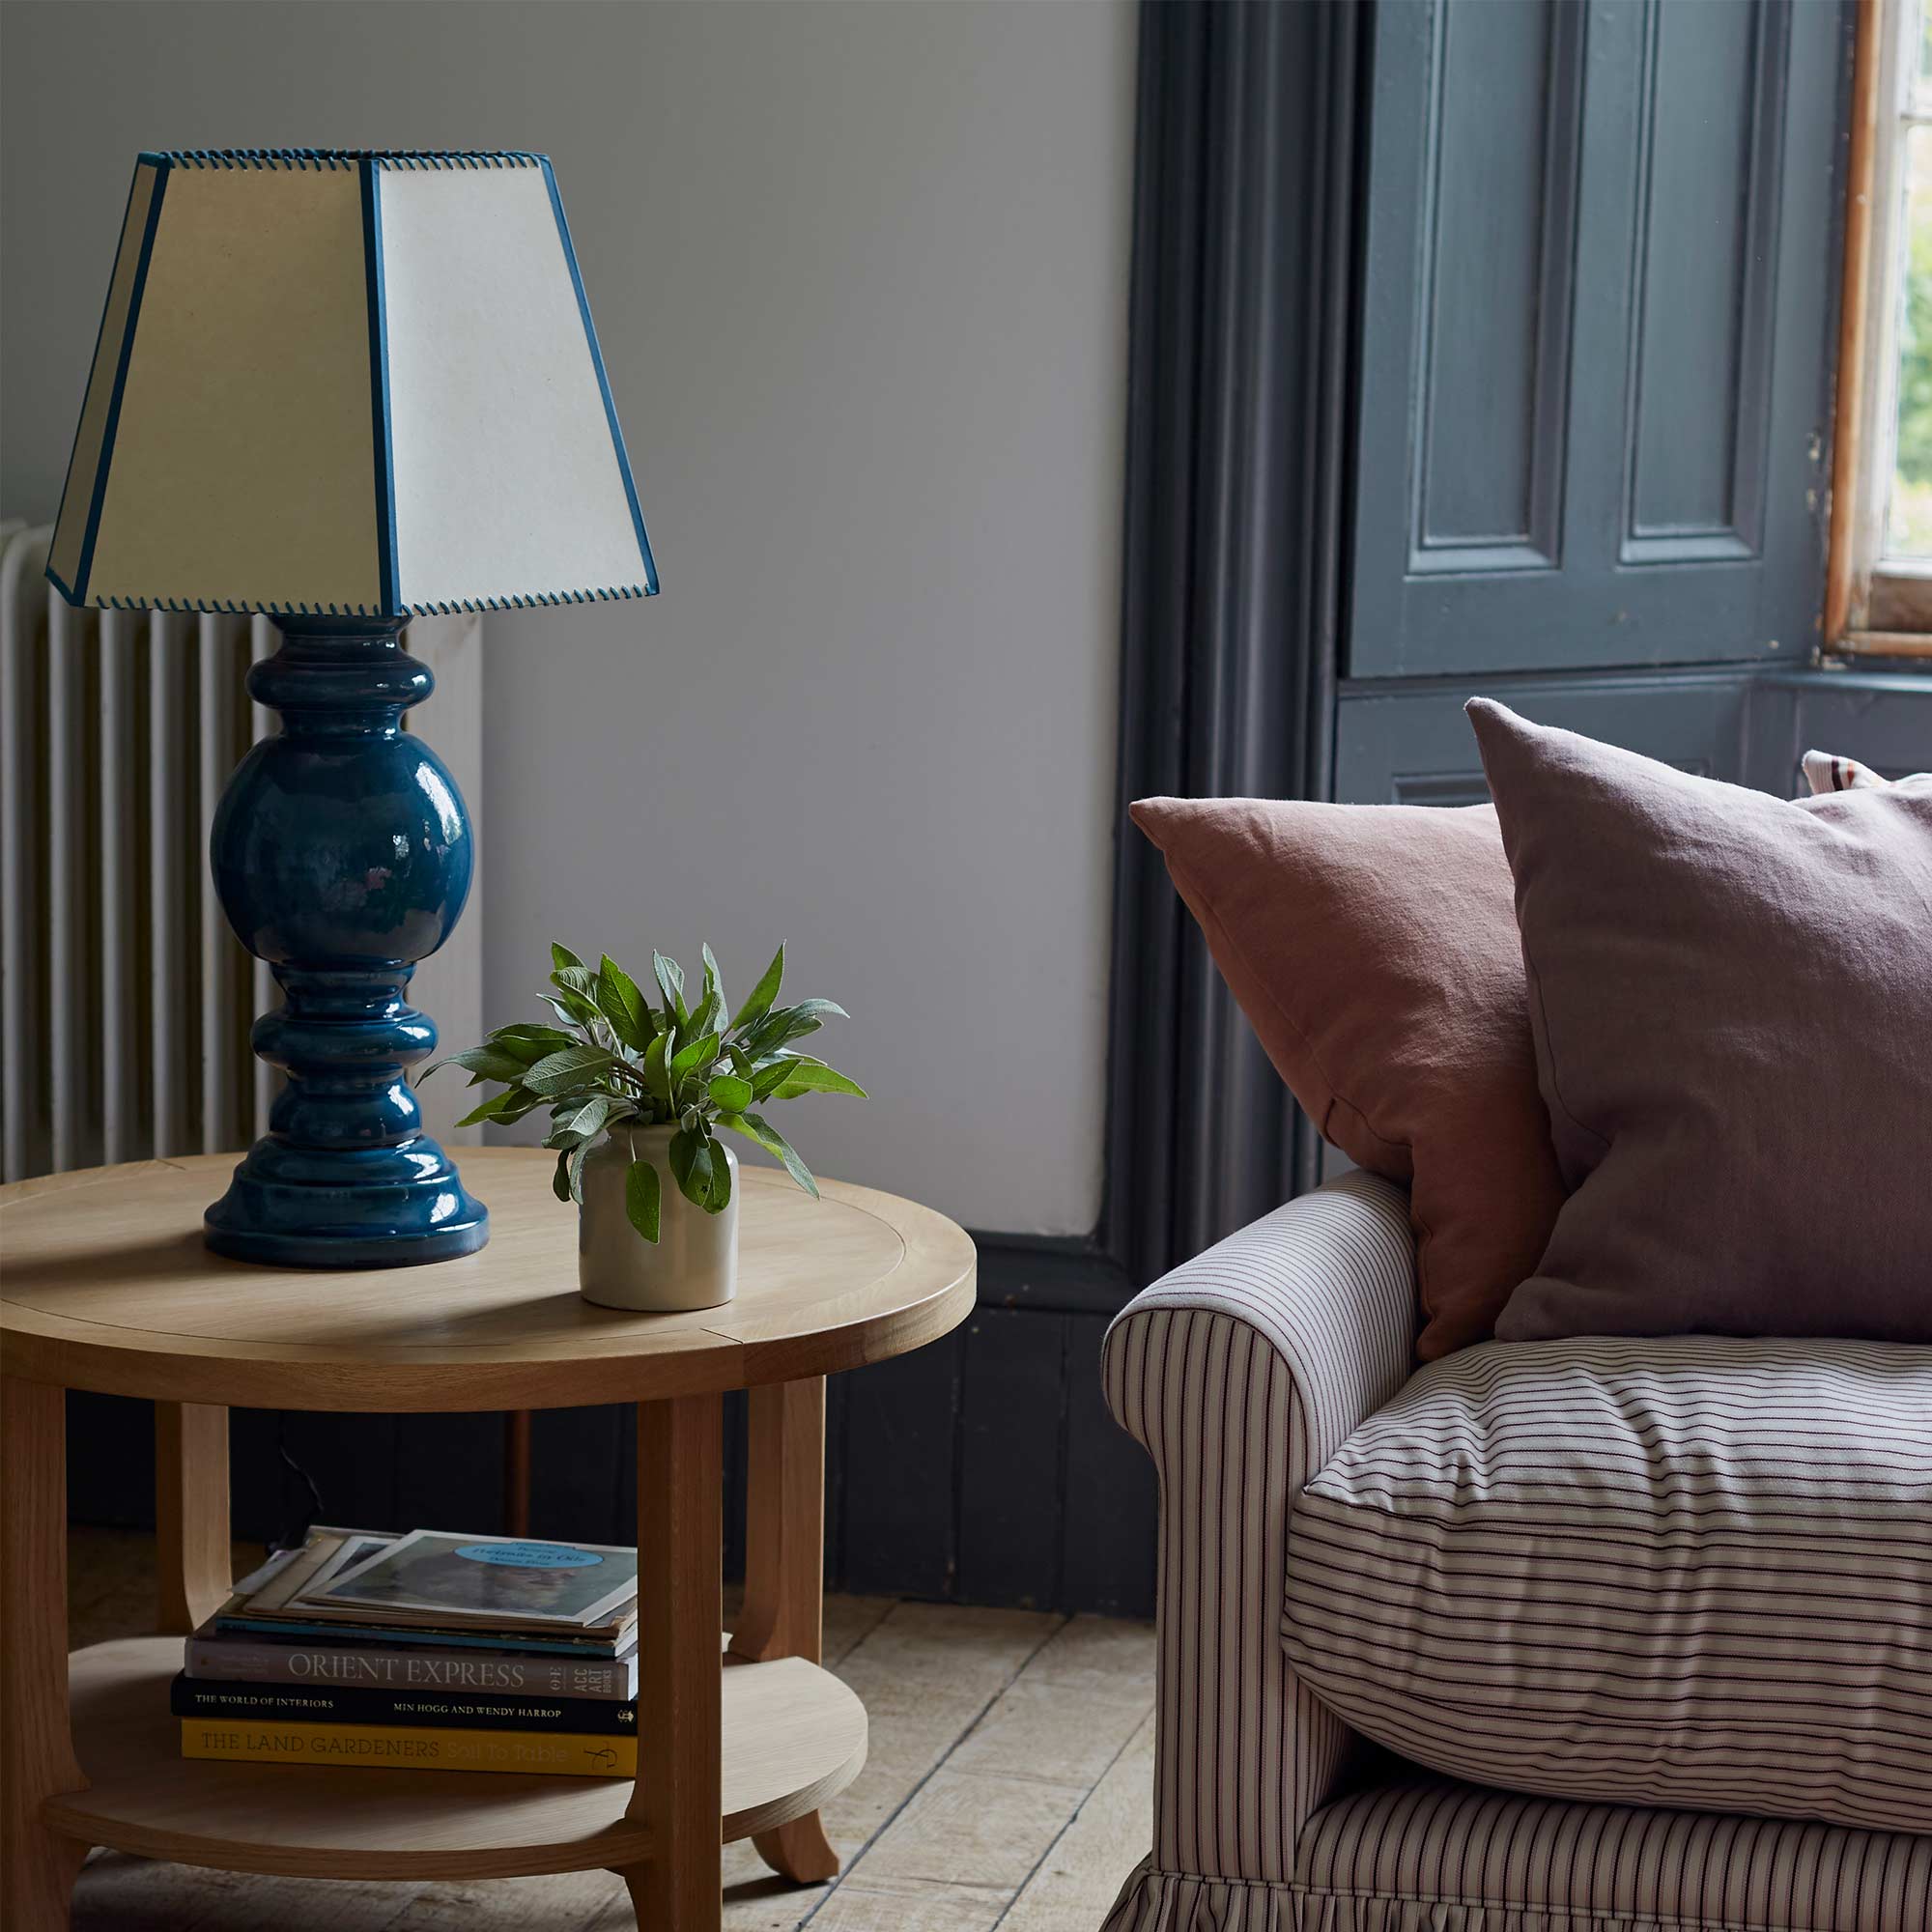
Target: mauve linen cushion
<point>1732,995</point>
<point>1373,950</point>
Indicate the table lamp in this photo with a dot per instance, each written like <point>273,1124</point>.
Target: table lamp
<point>346,388</point>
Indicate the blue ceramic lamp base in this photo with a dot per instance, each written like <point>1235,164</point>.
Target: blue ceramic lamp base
<point>342,856</point>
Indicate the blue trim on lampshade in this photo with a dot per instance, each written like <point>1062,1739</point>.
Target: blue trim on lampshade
<point>510,599</point>
<point>602,384</point>
<point>85,565</point>
<point>378,385</point>
<point>301,159</point>
<point>106,302</point>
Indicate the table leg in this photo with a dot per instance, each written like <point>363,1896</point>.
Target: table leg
<point>785,1574</point>
<point>679,1792</point>
<point>516,1472</point>
<point>37,1867</point>
<point>191,1525</point>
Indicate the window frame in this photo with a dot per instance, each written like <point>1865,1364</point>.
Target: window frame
<point>1875,606</point>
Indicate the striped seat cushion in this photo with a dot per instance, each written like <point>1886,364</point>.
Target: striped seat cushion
<point>1693,1573</point>
<point>1427,1855</point>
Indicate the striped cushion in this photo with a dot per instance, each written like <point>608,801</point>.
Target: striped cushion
<point>1825,772</point>
<point>1427,1855</point>
<point>1693,1573</point>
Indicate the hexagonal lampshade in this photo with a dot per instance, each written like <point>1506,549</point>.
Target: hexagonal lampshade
<point>352,383</point>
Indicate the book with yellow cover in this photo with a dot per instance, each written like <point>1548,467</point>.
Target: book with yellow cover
<point>407,1748</point>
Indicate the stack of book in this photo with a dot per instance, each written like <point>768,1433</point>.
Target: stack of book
<point>424,1650</point>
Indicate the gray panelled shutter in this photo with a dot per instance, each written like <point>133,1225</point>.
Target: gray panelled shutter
<point>1599,294</point>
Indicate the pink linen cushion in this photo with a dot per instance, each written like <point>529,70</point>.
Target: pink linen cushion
<point>1372,949</point>
<point>1731,998</point>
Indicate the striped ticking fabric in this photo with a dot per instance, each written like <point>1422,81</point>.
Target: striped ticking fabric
<point>1243,1373</point>
<point>1431,1855</point>
<point>1693,1573</point>
<point>1825,772</point>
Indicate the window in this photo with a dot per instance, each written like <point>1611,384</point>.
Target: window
<point>1879,591</point>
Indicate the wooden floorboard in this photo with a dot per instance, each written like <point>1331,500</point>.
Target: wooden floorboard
<point>1007,1785</point>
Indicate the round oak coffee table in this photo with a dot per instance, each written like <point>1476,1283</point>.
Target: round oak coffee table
<point>107,1286</point>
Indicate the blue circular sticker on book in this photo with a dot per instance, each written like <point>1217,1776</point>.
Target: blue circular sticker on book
<point>529,1555</point>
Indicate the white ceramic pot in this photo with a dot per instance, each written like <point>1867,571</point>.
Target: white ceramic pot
<point>694,1263</point>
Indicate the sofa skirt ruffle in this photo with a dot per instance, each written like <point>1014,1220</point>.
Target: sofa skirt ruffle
<point>1156,1901</point>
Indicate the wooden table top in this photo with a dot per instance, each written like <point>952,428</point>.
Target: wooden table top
<point>104,1284</point>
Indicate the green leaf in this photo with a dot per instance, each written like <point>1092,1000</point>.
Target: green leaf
<point>561,956</point>
<point>684,1146</point>
<point>497,1108</point>
<point>575,1159</point>
<point>818,1009</point>
<point>573,1010</point>
<point>529,1044</point>
<point>784,1024</point>
<point>670,980</point>
<point>641,1202</point>
<point>559,1181</point>
<point>770,1076</point>
<point>793,1026</point>
<point>622,1005</point>
<point>703,1013</point>
<point>491,1062</point>
<point>569,1071</point>
<point>589,1120</point>
<point>730,1092</point>
<point>758,1002</point>
<point>714,979</point>
<point>813,1077</point>
<point>657,1077</point>
<point>719,1197</point>
<point>486,1062</point>
<point>578,979</point>
<point>760,1132</point>
<point>699,1177</point>
<point>772,1141</point>
<point>698,1053</point>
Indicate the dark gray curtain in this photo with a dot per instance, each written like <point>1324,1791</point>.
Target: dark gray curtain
<point>1244,222</point>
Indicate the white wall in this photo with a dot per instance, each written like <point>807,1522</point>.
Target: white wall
<point>859,276</point>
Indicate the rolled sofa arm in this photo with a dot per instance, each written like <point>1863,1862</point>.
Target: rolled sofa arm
<point>1241,1373</point>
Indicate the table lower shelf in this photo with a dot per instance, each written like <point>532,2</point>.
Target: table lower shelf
<point>793,1735</point>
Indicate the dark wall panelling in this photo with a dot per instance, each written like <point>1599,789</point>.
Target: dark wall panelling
<point>1011,1483</point>
<point>1414,746</point>
<point>442,1457</point>
<point>267,1497</point>
<point>577,1462</point>
<point>1109,1518</point>
<point>1882,719</point>
<point>1637,477</point>
<point>110,1460</point>
<point>356,1461</point>
<point>899,1529</point>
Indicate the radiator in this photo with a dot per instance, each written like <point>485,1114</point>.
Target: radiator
<point>126,1001</point>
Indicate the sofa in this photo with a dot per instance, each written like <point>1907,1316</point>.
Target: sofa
<point>1643,1781</point>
